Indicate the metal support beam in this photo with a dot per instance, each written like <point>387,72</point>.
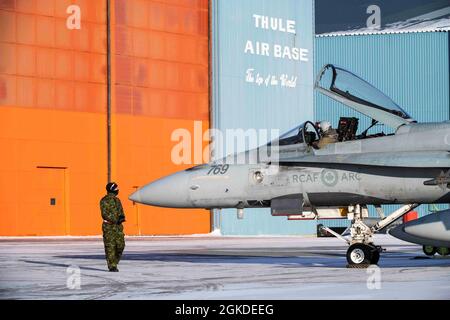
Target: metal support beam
<point>337,235</point>
<point>394,216</point>
<point>108,87</point>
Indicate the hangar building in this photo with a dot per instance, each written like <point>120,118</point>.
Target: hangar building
<point>92,89</point>
<point>402,47</point>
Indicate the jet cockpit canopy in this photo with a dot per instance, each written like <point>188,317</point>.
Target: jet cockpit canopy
<point>349,89</point>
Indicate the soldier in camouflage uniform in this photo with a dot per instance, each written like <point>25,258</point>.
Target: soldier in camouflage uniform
<point>113,217</point>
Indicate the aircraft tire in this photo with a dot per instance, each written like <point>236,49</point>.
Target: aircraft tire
<point>443,251</point>
<point>429,250</point>
<point>359,254</point>
<point>375,257</point>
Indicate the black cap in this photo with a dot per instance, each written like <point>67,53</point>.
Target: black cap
<point>112,187</point>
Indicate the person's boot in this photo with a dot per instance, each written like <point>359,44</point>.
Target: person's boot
<point>113,269</point>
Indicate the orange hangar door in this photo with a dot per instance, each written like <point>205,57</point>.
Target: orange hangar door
<point>160,69</point>
<point>53,114</point>
<point>44,206</point>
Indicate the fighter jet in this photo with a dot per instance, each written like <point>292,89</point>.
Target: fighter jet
<point>299,176</point>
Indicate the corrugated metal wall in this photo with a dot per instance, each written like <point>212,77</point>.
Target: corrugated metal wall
<point>411,68</point>
<point>160,67</point>
<point>53,168</point>
<point>242,104</point>
<point>52,130</point>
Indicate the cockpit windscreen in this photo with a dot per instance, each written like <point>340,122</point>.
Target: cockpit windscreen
<point>293,136</point>
<point>306,133</point>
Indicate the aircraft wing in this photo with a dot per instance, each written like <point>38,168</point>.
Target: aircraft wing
<point>354,92</point>
<point>417,159</point>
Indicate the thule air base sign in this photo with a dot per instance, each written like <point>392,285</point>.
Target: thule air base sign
<point>272,24</point>
<point>275,50</point>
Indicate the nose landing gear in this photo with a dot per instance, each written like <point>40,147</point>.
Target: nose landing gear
<point>362,252</point>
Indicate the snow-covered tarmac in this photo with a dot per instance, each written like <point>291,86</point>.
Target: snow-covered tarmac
<point>217,268</point>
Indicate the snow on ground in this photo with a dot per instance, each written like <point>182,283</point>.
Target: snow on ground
<point>217,268</point>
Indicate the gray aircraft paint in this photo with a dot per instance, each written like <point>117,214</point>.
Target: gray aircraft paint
<point>197,189</point>
<point>431,230</point>
<point>389,169</point>
<point>408,167</point>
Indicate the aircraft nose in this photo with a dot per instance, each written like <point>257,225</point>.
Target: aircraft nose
<point>169,191</point>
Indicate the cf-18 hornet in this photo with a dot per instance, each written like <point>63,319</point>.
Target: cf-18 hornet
<point>317,172</point>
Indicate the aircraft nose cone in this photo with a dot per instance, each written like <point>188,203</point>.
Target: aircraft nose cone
<point>170,192</point>
<point>135,196</point>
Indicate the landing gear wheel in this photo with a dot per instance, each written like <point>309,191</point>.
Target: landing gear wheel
<point>359,254</point>
<point>429,250</point>
<point>443,251</point>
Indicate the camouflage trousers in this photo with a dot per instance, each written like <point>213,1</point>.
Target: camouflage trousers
<point>114,241</point>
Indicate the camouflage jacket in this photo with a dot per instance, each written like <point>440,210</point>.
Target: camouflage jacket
<point>111,208</point>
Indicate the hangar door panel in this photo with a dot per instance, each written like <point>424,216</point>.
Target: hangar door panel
<point>50,214</point>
